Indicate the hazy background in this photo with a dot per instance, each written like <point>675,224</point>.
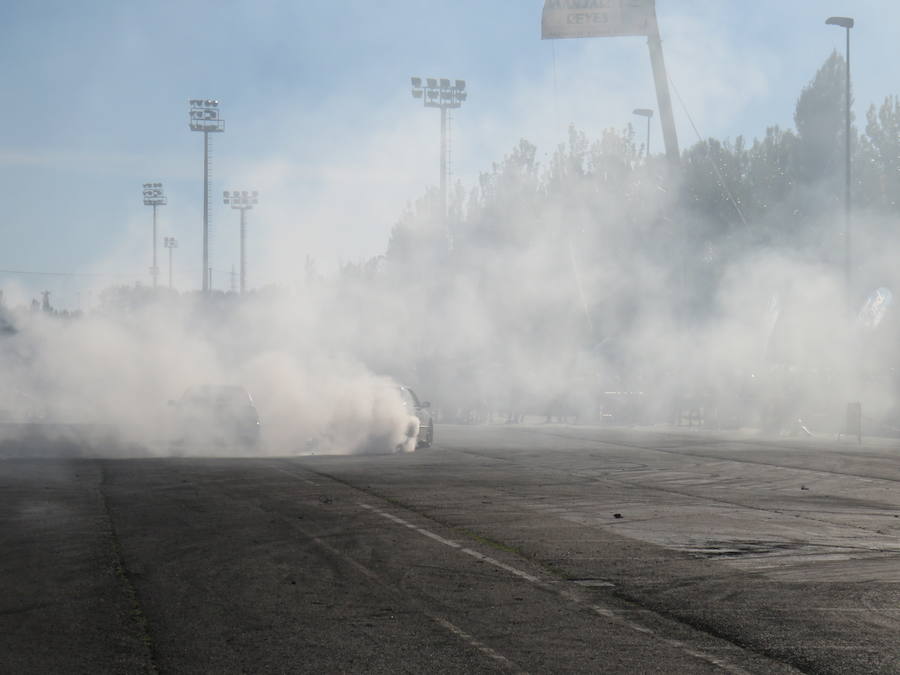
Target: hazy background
<point>320,120</point>
<point>575,278</point>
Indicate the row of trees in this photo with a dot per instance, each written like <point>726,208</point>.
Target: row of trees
<point>588,257</point>
<point>774,191</point>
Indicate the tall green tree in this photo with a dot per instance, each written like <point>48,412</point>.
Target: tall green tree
<point>877,168</point>
<point>819,117</point>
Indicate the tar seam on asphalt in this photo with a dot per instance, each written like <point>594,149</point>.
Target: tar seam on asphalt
<point>674,451</point>
<point>609,614</point>
<point>682,493</point>
<point>124,576</point>
<point>678,450</point>
<point>365,571</point>
<point>441,621</point>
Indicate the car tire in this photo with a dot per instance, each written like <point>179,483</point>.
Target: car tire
<point>429,438</point>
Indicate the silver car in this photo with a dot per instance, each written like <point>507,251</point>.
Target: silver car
<point>222,415</point>
<point>422,411</point>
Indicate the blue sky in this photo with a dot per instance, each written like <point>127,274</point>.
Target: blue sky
<point>320,120</point>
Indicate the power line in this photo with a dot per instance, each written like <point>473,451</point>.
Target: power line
<point>719,175</point>
<point>65,274</point>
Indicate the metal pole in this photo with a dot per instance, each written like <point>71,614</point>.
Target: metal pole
<point>243,258</point>
<point>206,270</point>
<point>648,136</point>
<point>443,162</point>
<point>155,270</point>
<point>848,260</point>
<point>170,268</point>
<point>666,118</point>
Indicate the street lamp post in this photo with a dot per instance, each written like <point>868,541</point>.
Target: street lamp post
<point>853,423</point>
<point>446,96</point>
<point>648,113</point>
<point>244,201</point>
<point>170,243</point>
<point>154,196</point>
<point>846,23</point>
<point>204,117</point>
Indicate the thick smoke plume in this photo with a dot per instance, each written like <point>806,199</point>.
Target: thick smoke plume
<point>114,374</point>
<point>598,285</point>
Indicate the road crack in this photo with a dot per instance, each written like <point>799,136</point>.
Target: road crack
<point>125,578</point>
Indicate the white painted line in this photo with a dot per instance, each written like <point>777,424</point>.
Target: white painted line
<point>452,544</point>
<point>471,641</point>
<point>609,614</point>
<point>616,617</point>
<point>422,531</point>
<point>502,566</point>
<point>483,648</point>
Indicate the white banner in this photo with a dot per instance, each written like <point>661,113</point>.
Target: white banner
<point>597,18</point>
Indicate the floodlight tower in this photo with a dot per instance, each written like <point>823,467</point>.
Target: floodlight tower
<point>205,118</point>
<point>446,96</point>
<point>244,201</point>
<point>170,243</point>
<point>154,196</point>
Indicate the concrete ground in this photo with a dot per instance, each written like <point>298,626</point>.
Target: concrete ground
<point>504,548</point>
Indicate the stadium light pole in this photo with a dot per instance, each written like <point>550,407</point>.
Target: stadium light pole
<point>648,113</point>
<point>847,23</point>
<point>446,96</point>
<point>170,243</point>
<point>154,196</point>
<point>204,116</point>
<point>244,201</point>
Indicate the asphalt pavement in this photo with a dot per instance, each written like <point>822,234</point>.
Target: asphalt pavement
<point>504,548</point>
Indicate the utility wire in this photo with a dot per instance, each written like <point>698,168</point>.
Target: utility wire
<point>65,274</point>
<point>721,178</point>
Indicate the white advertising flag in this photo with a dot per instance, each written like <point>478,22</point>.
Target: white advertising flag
<point>597,18</point>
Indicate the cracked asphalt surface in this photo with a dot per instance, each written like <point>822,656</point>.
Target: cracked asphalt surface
<point>498,550</point>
